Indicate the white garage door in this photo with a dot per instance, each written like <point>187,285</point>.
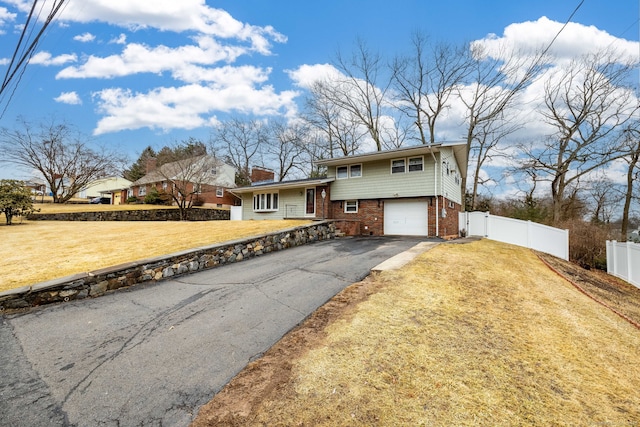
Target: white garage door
<point>405,217</point>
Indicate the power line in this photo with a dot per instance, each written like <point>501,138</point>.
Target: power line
<point>26,48</point>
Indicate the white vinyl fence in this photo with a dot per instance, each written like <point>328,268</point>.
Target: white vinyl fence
<point>623,261</point>
<point>529,234</point>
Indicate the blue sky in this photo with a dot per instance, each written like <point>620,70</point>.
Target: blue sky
<point>133,73</point>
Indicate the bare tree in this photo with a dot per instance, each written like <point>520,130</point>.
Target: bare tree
<point>587,105</point>
<point>186,177</point>
<point>425,80</point>
<point>286,147</point>
<point>341,133</point>
<point>492,91</point>
<point>604,196</point>
<point>631,147</point>
<point>241,143</point>
<point>58,153</point>
<point>485,147</point>
<point>362,91</point>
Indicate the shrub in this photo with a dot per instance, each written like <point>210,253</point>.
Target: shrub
<point>132,200</point>
<point>587,243</point>
<point>154,197</point>
<point>197,201</point>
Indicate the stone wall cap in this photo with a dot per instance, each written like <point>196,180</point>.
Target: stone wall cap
<point>16,291</point>
<point>114,268</point>
<point>58,282</point>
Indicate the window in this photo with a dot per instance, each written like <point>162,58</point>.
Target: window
<point>265,202</point>
<point>341,172</point>
<point>355,171</point>
<point>351,206</point>
<point>416,164</point>
<point>197,188</point>
<point>142,190</point>
<point>130,192</point>
<point>164,185</point>
<point>214,171</point>
<point>398,166</point>
<point>219,192</point>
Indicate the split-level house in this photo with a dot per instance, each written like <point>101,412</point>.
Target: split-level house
<point>408,191</point>
<point>208,178</point>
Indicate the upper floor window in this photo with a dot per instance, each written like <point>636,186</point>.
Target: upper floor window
<point>398,166</point>
<point>355,171</point>
<point>219,192</point>
<point>416,164</point>
<point>342,172</point>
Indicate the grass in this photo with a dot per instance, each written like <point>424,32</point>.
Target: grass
<point>87,207</point>
<point>466,335</point>
<point>36,251</point>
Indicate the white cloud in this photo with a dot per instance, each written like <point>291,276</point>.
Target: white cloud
<point>5,17</point>
<point>171,15</point>
<point>185,107</point>
<point>305,75</point>
<point>46,59</point>
<point>71,98</point>
<point>527,38</point>
<point>85,38</point>
<point>121,39</point>
<point>138,58</point>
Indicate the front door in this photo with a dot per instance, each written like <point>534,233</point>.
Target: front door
<point>310,202</point>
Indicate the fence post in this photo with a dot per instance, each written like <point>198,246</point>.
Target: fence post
<point>566,253</point>
<point>615,257</point>
<point>486,224</point>
<point>628,249</point>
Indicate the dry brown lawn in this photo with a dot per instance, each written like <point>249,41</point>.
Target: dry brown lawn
<point>479,334</point>
<point>88,207</point>
<point>36,251</point>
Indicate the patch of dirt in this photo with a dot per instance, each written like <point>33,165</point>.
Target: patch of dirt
<point>270,374</point>
<point>617,294</point>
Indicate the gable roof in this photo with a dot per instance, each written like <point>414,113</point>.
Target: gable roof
<point>459,150</point>
<point>195,166</point>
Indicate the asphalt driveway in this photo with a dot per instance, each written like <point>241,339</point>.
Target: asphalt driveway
<point>153,354</point>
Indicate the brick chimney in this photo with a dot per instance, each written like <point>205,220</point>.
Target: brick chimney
<point>151,164</point>
<point>260,174</point>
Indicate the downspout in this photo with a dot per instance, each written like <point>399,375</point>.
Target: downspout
<point>435,189</point>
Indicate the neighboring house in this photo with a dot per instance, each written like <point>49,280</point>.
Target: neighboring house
<point>37,187</point>
<point>408,191</point>
<point>207,177</point>
<point>101,187</point>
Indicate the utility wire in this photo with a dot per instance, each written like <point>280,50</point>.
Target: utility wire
<point>28,49</point>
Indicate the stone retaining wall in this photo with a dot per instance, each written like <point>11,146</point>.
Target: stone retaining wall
<point>98,282</point>
<point>195,214</point>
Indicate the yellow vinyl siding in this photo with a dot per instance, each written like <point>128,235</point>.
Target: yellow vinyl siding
<point>377,182</point>
<point>451,189</point>
<point>290,201</point>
